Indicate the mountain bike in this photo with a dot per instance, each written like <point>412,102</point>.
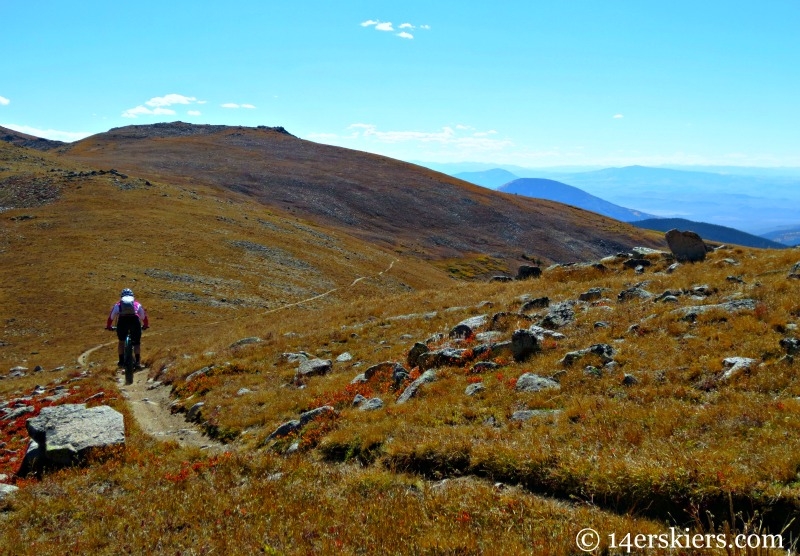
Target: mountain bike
<point>128,358</point>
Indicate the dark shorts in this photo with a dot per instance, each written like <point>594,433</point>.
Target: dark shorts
<point>132,323</point>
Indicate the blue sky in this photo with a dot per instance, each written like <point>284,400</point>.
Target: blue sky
<point>510,82</point>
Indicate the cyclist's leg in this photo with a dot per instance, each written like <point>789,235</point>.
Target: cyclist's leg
<point>121,333</point>
<point>136,338</point>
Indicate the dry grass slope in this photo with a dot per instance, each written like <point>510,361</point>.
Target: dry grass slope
<point>444,473</point>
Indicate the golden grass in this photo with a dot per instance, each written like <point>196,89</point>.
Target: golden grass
<point>413,478</point>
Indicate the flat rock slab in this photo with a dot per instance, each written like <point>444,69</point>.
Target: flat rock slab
<point>67,432</point>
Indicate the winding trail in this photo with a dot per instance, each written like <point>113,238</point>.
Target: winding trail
<point>150,401</point>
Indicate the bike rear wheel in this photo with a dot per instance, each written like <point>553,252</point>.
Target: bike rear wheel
<point>129,361</point>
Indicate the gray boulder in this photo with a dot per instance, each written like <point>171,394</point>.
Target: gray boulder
<point>686,246</point>
<point>295,425</point>
<point>414,354</point>
<point>7,490</point>
<point>64,435</point>
<point>467,327</point>
<point>592,294</point>
<point>441,358</point>
<point>735,365</point>
<point>537,303</point>
<point>473,389</point>
<point>371,404</point>
<point>559,315</point>
<point>313,367</point>
<point>735,306</point>
<point>245,342</point>
<point>411,390</point>
<point>530,382</point>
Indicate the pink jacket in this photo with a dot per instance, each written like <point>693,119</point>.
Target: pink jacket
<point>140,312</point>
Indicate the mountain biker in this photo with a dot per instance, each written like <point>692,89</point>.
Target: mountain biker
<point>132,317</point>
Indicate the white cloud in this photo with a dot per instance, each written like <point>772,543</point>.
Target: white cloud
<point>426,27</point>
<point>169,100</point>
<point>405,35</point>
<point>236,105</point>
<point>4,101</point>
<point>55,135</point>
<point>387,26</point>
<point>250,106</point>
<point>369,22</point>
<point>618,116</point>
<point>405,26</point>
<point>194,112</point>
<point>158,106</point>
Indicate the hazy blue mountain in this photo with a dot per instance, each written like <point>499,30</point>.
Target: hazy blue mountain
<point>492,179</point>
<point>749,203</point>
<point>569,195</point>
<point>786,236</point>
<point>712,232</point>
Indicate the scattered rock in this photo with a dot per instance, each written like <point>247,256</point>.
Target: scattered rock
<point>629,380</point>
<point>636,263</point>
<point>605,352</point>
<point>791,345</point>
<point>194,413</point>
<point>243,391</point>
<point>673,267</point>
<point>691,313</point>
<point>527,271</point>
<point>537,303</point>
<point>484,366</point>
<point>65,434</point>
<point>411,390</point>
<point>735,365</point>
<point>466,328</point>
<point>441,358</point>
<point>686,246</point>
<point>528,414</point>
<point>501,279</point>
<point>7,490</point>
<point>635,292</point>
<point>295,425</point>
<point>344,357</point>
<point>371,404</point>
<point>414,354</point>
<point>530,382</point>
<point>591,294</point>
<point>524,343</point>
<point>488,336</point>
<point>245,341</point>
<point>559,315</point>
<point>313,367</point>
<point>473,389</point>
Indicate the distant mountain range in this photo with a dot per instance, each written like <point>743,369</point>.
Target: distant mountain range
<point>492,179</point>
<point>756,200</point>
<point>711,232</point>
<point>786,236</point>
<point>560,192</point>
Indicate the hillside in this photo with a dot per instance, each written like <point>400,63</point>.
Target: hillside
<point>492,179</point>
<point>562,193</point>
<point>786,236</point>
<point>24,140</point>
<point>712,232</point>
<point>409,209</point>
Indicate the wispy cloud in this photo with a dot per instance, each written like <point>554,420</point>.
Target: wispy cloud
<point>157,106</point>
<point>456,137</point>
<point>235,105</point>
<point>618,116</point>
<point>194,112</point>
<point>53,134</point>
<point>4,101</point>
<point>387,26</point>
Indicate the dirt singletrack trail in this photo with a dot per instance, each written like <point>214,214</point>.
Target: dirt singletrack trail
<point>150,403</point>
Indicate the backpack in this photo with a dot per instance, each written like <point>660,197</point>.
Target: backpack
<point>127,307</point>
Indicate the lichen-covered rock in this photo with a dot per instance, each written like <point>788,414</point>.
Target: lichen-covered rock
<point>530,382</point>
<point>411,390</point>
<point>314,367</point>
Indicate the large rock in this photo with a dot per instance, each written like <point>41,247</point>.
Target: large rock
<point>559,315</point>
<point>686,246</point>
<point>411,390</point>
<point>530,382</point>
<point>524,343</point>
<point>527,271</point>
<point>468,327</point>
<point>791,345</point>
<point>735,365</point>
<point>314,367</point>
<point>64,435</point>
<point>415,352</point>
<point>735,306</point>
<point>441,358</point>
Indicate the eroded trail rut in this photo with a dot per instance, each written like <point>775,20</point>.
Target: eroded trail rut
<point>150,403</point>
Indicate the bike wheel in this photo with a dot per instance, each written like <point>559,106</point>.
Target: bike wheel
<point>130,361</point>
